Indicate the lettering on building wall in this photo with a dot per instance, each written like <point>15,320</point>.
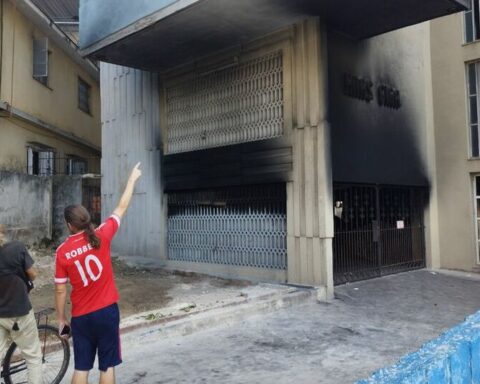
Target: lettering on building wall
<point>363,89</point>
<point>357,88</point>
<point>388,97</point>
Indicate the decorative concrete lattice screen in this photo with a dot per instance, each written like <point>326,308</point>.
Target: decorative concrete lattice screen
<point>229,106</point>
<point>241,226</point>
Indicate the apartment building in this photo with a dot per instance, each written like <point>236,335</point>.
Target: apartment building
<point>50,130</point>
<point>49,96</point>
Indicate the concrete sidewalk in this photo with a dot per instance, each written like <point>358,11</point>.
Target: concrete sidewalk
<point>209,311</point>
<point>371,324</point>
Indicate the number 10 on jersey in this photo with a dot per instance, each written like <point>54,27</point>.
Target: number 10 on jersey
<point>89,261</point>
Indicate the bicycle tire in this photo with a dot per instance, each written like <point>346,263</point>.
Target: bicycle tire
<point>63,345</point>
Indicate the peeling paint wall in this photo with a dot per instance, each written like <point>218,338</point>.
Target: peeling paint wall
<point>66,190</point>
<point>15,136</point>
<point>32,206</point>
<point>54,105</point>
<point>57,103</point>
<point>26,206</point>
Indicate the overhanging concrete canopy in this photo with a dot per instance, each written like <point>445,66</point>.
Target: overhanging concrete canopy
<point>185,30</point>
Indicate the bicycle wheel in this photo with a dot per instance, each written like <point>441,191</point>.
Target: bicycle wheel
<point>55,360</point>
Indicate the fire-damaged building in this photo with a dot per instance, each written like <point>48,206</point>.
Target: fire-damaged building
<point>284,141</point>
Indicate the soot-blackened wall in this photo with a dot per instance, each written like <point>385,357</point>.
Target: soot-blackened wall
<point>377,108</point>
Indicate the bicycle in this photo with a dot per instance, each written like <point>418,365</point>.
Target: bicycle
<point>55,356</point>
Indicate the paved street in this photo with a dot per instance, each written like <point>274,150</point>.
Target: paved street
<point>371,324</point>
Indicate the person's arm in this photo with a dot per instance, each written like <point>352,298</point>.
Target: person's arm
<point>61,279</point>
<point>128,192</point>
<point>60,301</point>
<point>31,273</point>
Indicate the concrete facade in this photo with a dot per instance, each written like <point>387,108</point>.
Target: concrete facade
<point>372,143</point>
<point>380,132</point>
<point>314,64</point>
<point>32,207</point>
<point>66,190</point>
<point>310,226</point>
<point>26,206</point>
<point>131,109</point>
<point>454,232</point>
<point>44,114</point>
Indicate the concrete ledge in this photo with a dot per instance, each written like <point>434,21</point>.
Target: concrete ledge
<point>454,357</point>
<point>221,315</point>
<point>474,275</point>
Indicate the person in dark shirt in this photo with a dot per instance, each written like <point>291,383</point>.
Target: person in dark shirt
<point>17,320</point>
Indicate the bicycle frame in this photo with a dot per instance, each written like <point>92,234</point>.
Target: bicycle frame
<point>22,366</point>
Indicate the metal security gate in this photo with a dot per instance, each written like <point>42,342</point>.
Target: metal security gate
<point>379,230</point>
<point>241,226</point>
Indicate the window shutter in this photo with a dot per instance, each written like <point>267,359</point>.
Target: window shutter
<point>30,161</point>
<point>83,95</point>
<point>40,57</point>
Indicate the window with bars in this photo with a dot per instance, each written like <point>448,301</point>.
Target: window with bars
<point>472,22</point>
<point>75,165</point>
<point>40,160</point>
<point>41,60</point>
<point>83,95</point>
<point>477,213</point>
<point>473,100</point>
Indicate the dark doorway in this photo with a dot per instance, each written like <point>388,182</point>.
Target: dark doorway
<point>92,200</point>
<point>379,230</point>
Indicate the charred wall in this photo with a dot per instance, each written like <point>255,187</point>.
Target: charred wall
<point>266,161</point>
<point>377,108</point>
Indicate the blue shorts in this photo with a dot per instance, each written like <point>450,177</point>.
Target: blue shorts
<point>97,331</point>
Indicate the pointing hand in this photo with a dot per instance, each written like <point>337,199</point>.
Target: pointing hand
<point>136,172</point>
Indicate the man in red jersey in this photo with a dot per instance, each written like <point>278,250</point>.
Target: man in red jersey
<point>84,259</point>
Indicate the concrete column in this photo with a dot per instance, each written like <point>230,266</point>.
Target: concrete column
<point>131,133</point>
<point>432,230</point>
<point>309,196</point>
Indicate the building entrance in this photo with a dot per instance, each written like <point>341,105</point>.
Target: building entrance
<point>379,230</point>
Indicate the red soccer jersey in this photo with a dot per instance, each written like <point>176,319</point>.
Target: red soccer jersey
<point>88,269</point>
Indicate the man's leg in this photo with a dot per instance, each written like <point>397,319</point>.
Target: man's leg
<point>84,348</point>
<point>107,377</point>
<point>5,327</point>
<point>80,377</point>
<point>109,349</point>
<point>29,343</point>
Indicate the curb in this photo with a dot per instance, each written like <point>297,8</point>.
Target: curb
<point>231,313</point>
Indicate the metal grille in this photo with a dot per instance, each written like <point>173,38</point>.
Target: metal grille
<point>241,226</point>
<point>92,200</point>
<point>234,105</point>
<point>379,230</point>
